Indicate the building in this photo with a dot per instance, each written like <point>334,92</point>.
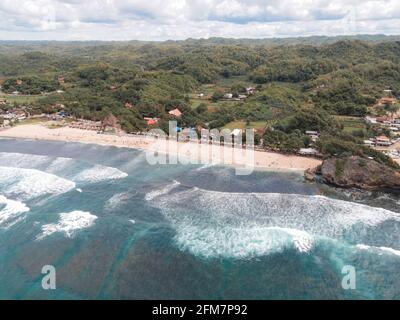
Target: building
<point>384,119</point>
<point>15,93</point>
<point>368,143</point>
<point>128,105</point>
<point>228,95</point>
<point>314,135</point>
<point>61,79</point>
<point>371,120</point>
<point>308,151</point>
<point>237,132</point>
<point>387,101</point>
<point>58,106</point>
<point>176,113</point>
<point>250,90</point>
<point>383,141</point>
<point>152,121</point>
<point>86,125</point>
<point>9,116</point>
<point>20,115</point>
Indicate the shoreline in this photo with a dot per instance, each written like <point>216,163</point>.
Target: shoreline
<point>182,152</point>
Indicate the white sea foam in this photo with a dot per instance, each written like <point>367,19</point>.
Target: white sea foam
<point>99,173</point>
<point>60,166</point>
<point>213,223</point>
<point>206,166</point>
<point>240,242</point>
<point>21,160</point>
<point>11,211</point>
<point>117,200</point>
<point>69,224</point>
<point>159,192</point>
<point>31,183</point>
<point>380,250</point>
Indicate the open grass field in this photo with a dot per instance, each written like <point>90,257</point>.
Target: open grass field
<point>351,124</point>
<point>242,125</point>
<point>20,99</point>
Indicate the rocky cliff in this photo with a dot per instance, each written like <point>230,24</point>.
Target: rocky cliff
<point>357,172</point>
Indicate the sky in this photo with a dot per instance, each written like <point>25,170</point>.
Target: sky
<point>181,19</point>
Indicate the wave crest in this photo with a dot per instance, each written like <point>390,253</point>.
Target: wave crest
<point>68,224</point>
<point>11,211</point>
<point>211,223</point>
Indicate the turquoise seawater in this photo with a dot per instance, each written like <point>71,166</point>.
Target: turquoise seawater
<point>115,227</point>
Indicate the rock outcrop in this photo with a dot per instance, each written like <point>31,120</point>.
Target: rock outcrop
<point>357,172</point>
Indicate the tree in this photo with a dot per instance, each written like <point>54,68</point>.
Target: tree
<point>392,109</point>
<point>201,108</point>
<point>217,95</point>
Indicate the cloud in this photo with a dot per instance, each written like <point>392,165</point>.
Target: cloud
<point>180,19</point>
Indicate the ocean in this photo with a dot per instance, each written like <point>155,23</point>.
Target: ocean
<point>115,227</point>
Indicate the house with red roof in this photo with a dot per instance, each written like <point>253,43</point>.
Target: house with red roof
<point>152,121</point>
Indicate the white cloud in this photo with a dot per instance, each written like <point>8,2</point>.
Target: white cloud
<point>180,19</point>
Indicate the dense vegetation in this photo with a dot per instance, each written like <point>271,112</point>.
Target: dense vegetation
<point>301,85</point>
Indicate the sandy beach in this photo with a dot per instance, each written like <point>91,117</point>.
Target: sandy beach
<point>179,152</point>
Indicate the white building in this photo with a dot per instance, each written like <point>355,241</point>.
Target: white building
<point>228,96</point>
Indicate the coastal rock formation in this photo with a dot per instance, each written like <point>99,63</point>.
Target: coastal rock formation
<point>357,172</point>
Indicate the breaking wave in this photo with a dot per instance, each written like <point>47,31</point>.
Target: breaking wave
<point>88,173</point>
<point>117,200</point>
<point>69,224</point>
<point>99,173</point>
<point>245,225</point>
<point>11,212</point>
<point>25,184</point>
<point>379,250</point>
<point>156,193</point>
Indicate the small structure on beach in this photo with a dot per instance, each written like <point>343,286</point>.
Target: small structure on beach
<point>86,125</point>
<point>308,152</point>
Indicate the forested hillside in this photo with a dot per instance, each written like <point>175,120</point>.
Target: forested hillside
<point>294,79</point>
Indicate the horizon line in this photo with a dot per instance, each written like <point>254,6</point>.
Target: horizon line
<point>212,38</point>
